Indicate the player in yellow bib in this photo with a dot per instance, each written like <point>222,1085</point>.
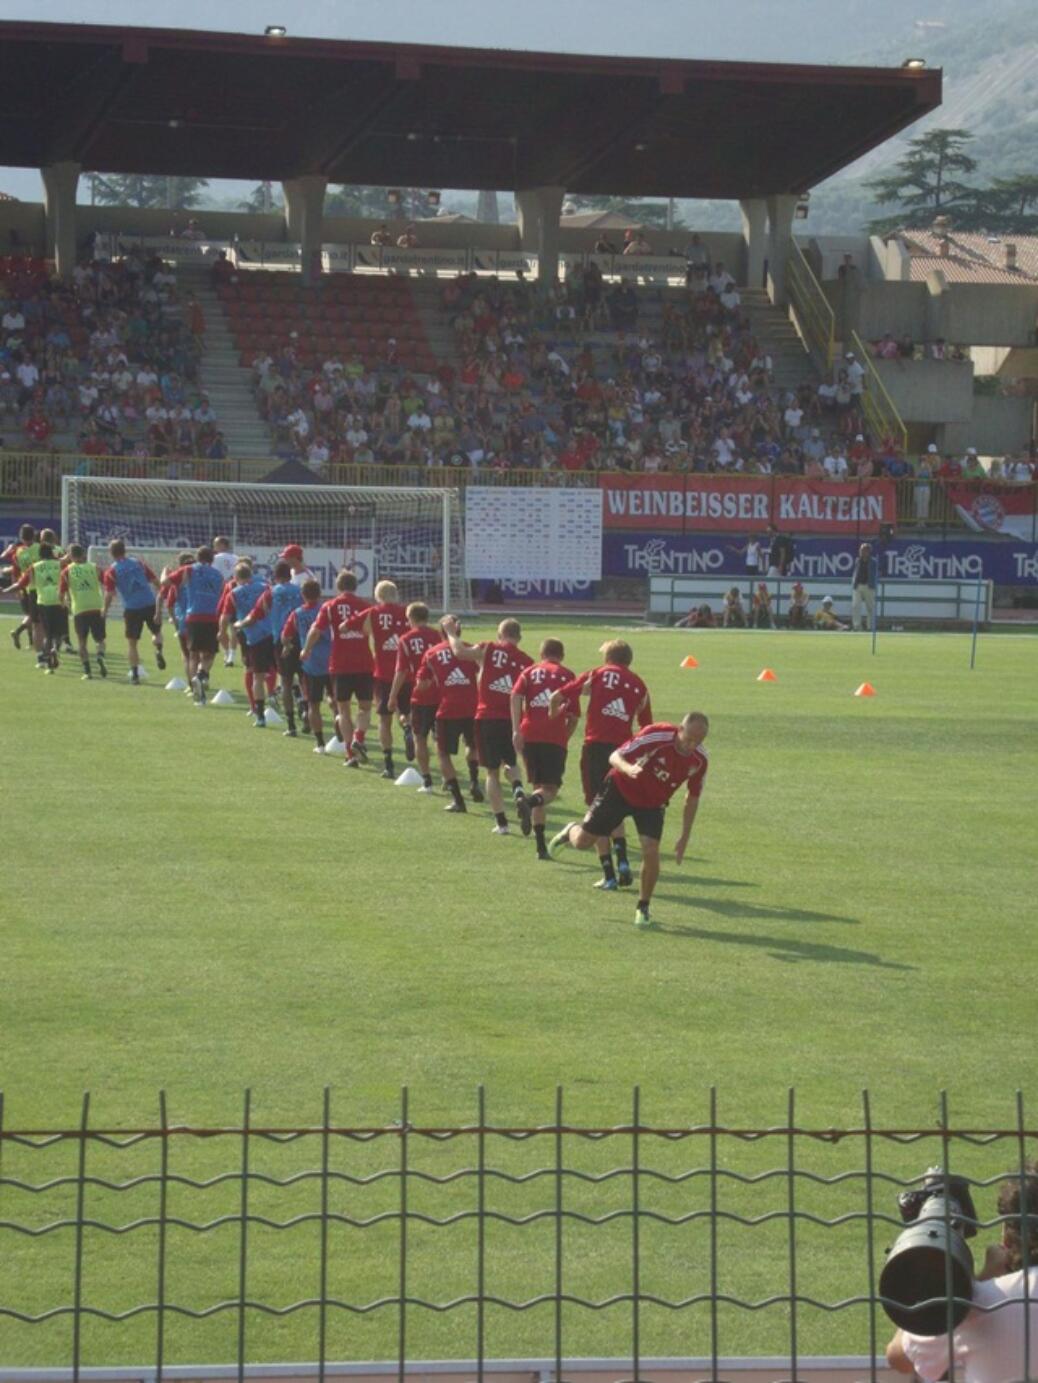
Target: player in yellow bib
<point>43,577</point>
<point>81,589</point>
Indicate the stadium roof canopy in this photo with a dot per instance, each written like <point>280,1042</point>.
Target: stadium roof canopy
<point>178,102</point>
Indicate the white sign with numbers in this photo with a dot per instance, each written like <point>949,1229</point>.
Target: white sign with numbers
<point>528,534</point>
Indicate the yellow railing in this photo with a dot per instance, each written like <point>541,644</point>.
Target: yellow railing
<point>880,411</point>
<point>815,318</point>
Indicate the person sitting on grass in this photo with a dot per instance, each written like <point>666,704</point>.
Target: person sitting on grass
<point>702,617</point>
<point>761,613</point>
<point>734,616</point>
<point>825,618</point>
<point>797,616</point>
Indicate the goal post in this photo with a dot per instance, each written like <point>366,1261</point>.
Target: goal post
<point>409,535</point>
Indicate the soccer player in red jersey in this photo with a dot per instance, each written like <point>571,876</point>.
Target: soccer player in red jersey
<point>539,736</point>
<point>500,662</point>
<point>643,776</point>
<point>616,695</point>
<point>351,667</point>
<point>383,624</point>
<point>404,697</point>
<point>456,714</point>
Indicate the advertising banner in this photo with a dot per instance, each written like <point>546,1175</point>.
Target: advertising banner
<point>532,534</point>
<point>1002,509</point>
<point>635,553</point>
<point>794,504</point>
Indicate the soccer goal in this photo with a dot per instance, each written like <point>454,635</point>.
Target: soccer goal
<point>411,536</point>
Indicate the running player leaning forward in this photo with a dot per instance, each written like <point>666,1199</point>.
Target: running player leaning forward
<point>203,589</point>
<point>616,695</point>
<point>383,623</point>
<point>455,680</point>
<point>419,706</point>
<point>500,661</point>
<point>644,774</point>
<point>351,666</point>
<point>81,587</point>
<point>541,738</point>
<point>313,669</point>
<point>133,580</point>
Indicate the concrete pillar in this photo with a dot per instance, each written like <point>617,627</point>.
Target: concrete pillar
<point>754,213</point>
<point>937,292</point>
<point>304,220</point>
<point>539,209</point>
<point>60,181</point>
<point>780,238</point>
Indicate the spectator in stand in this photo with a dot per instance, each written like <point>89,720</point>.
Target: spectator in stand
<point>886,348</point>
<point>972,469</point>
<point>855,372</point>
<point>408,237</point>
<point>381,236</point>
<point>782,552</point>
<point>906,347</point>
<point>949,469</point>
<point>761,613</point>
<point>835,463</point>
<point>635,242</point>
<point>192,231</point>
<point>734,616</point>
<point>38,429</point>
<point>697,263</point>
<point>604,246</point>
<point>939,349</point>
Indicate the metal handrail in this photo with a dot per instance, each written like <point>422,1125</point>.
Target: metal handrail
<point>888,421</point>
<point>817,318</point>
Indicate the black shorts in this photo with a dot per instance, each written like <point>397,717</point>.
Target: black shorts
<point>52,617</point>
<point>449,734</point>
<point>545,764</point>
<point>358,684</point>
<point>403,697</point>
<point>494,742</point>
<point>28,603</point>
<point>135,620</point>
<point>90,623</point>
<point>202,636</point>
<point>610,808</point>
<point>423,718</point>
<point>287,659</point>
<point>316,684</point>
<point>594,766</point>
<point>182,640</point>
<point>259,656</point>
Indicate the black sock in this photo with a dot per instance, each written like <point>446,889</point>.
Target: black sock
<point>643,905</point>
<point>536,799</point>
<point>203,676</point>
<point>606,861</point>
<point>426,780</point>
<point>290,713</point>
<point>542,847</point>
<point>501,819</point>
<point>452,787</point>
<point>86,662</point>
<point>620,846</point>
<point>261,708</point>
<point>517,791</point>
<point>319,737</point>
<point>387,755</point>
<point>474,772</point>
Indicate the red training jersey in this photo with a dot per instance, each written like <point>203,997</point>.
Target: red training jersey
<point>536,684</point>
<point>664,767</point>
<point>388,622</point>
<point>412,647</point>
<point>351,652</point>
<point>456,681</point>
<point>502,664</point>
<point>615,696</point>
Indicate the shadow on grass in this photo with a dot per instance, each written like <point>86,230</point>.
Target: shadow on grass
<point>737,907</point>
<point>782,948</point>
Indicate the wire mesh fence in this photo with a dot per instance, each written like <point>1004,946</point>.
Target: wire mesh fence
<point>167,1243</point>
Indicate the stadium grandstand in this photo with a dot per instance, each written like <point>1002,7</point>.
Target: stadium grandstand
<point>308,440</point>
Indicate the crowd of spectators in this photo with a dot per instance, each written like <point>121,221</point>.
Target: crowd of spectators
<point>581,376</point>
<point>108,360</point>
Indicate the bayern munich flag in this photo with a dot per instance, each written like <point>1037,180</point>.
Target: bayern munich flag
<point>1006,509</point>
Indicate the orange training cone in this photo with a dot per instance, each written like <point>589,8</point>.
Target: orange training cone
<point>767,676</point>
<point>866,689</point>
<point>689,661</point>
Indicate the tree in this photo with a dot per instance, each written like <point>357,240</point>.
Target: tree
<point>145,190</point>
<point>1012,200</point>
<point>923,183</point>
<point>264,197</point>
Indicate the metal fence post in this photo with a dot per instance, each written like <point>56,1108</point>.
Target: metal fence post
<point>160,1295</point>
<point>870,1248</point>
<point>558,1233</point>
<point>77,1305</point>
<point>322,1310</point>
<point>402,1326</point>
<point>481,1231</point>
<point>791,1211</point>
<point>635,1238</point>
<point>243,1242</point>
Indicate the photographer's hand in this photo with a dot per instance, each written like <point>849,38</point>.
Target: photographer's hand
<point>996,1262</point>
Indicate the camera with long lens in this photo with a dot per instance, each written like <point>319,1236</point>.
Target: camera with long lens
<point>930,1260</point>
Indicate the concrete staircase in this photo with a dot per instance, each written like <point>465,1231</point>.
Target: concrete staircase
<point>228,384</point>
<point>777,334</point>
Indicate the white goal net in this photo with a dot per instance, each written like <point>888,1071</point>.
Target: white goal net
<point>411,536</point>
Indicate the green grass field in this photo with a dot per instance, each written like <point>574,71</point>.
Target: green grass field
<point>195,906</point>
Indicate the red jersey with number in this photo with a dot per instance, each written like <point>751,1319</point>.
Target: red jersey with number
<point>388,622</point>
<point>536,684</point>
<point>502,664</point>
<point>412,647</point>
<point>615,696</point>
<point>456,680</point>
<point>351,652</point>
<point>664,767</point>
